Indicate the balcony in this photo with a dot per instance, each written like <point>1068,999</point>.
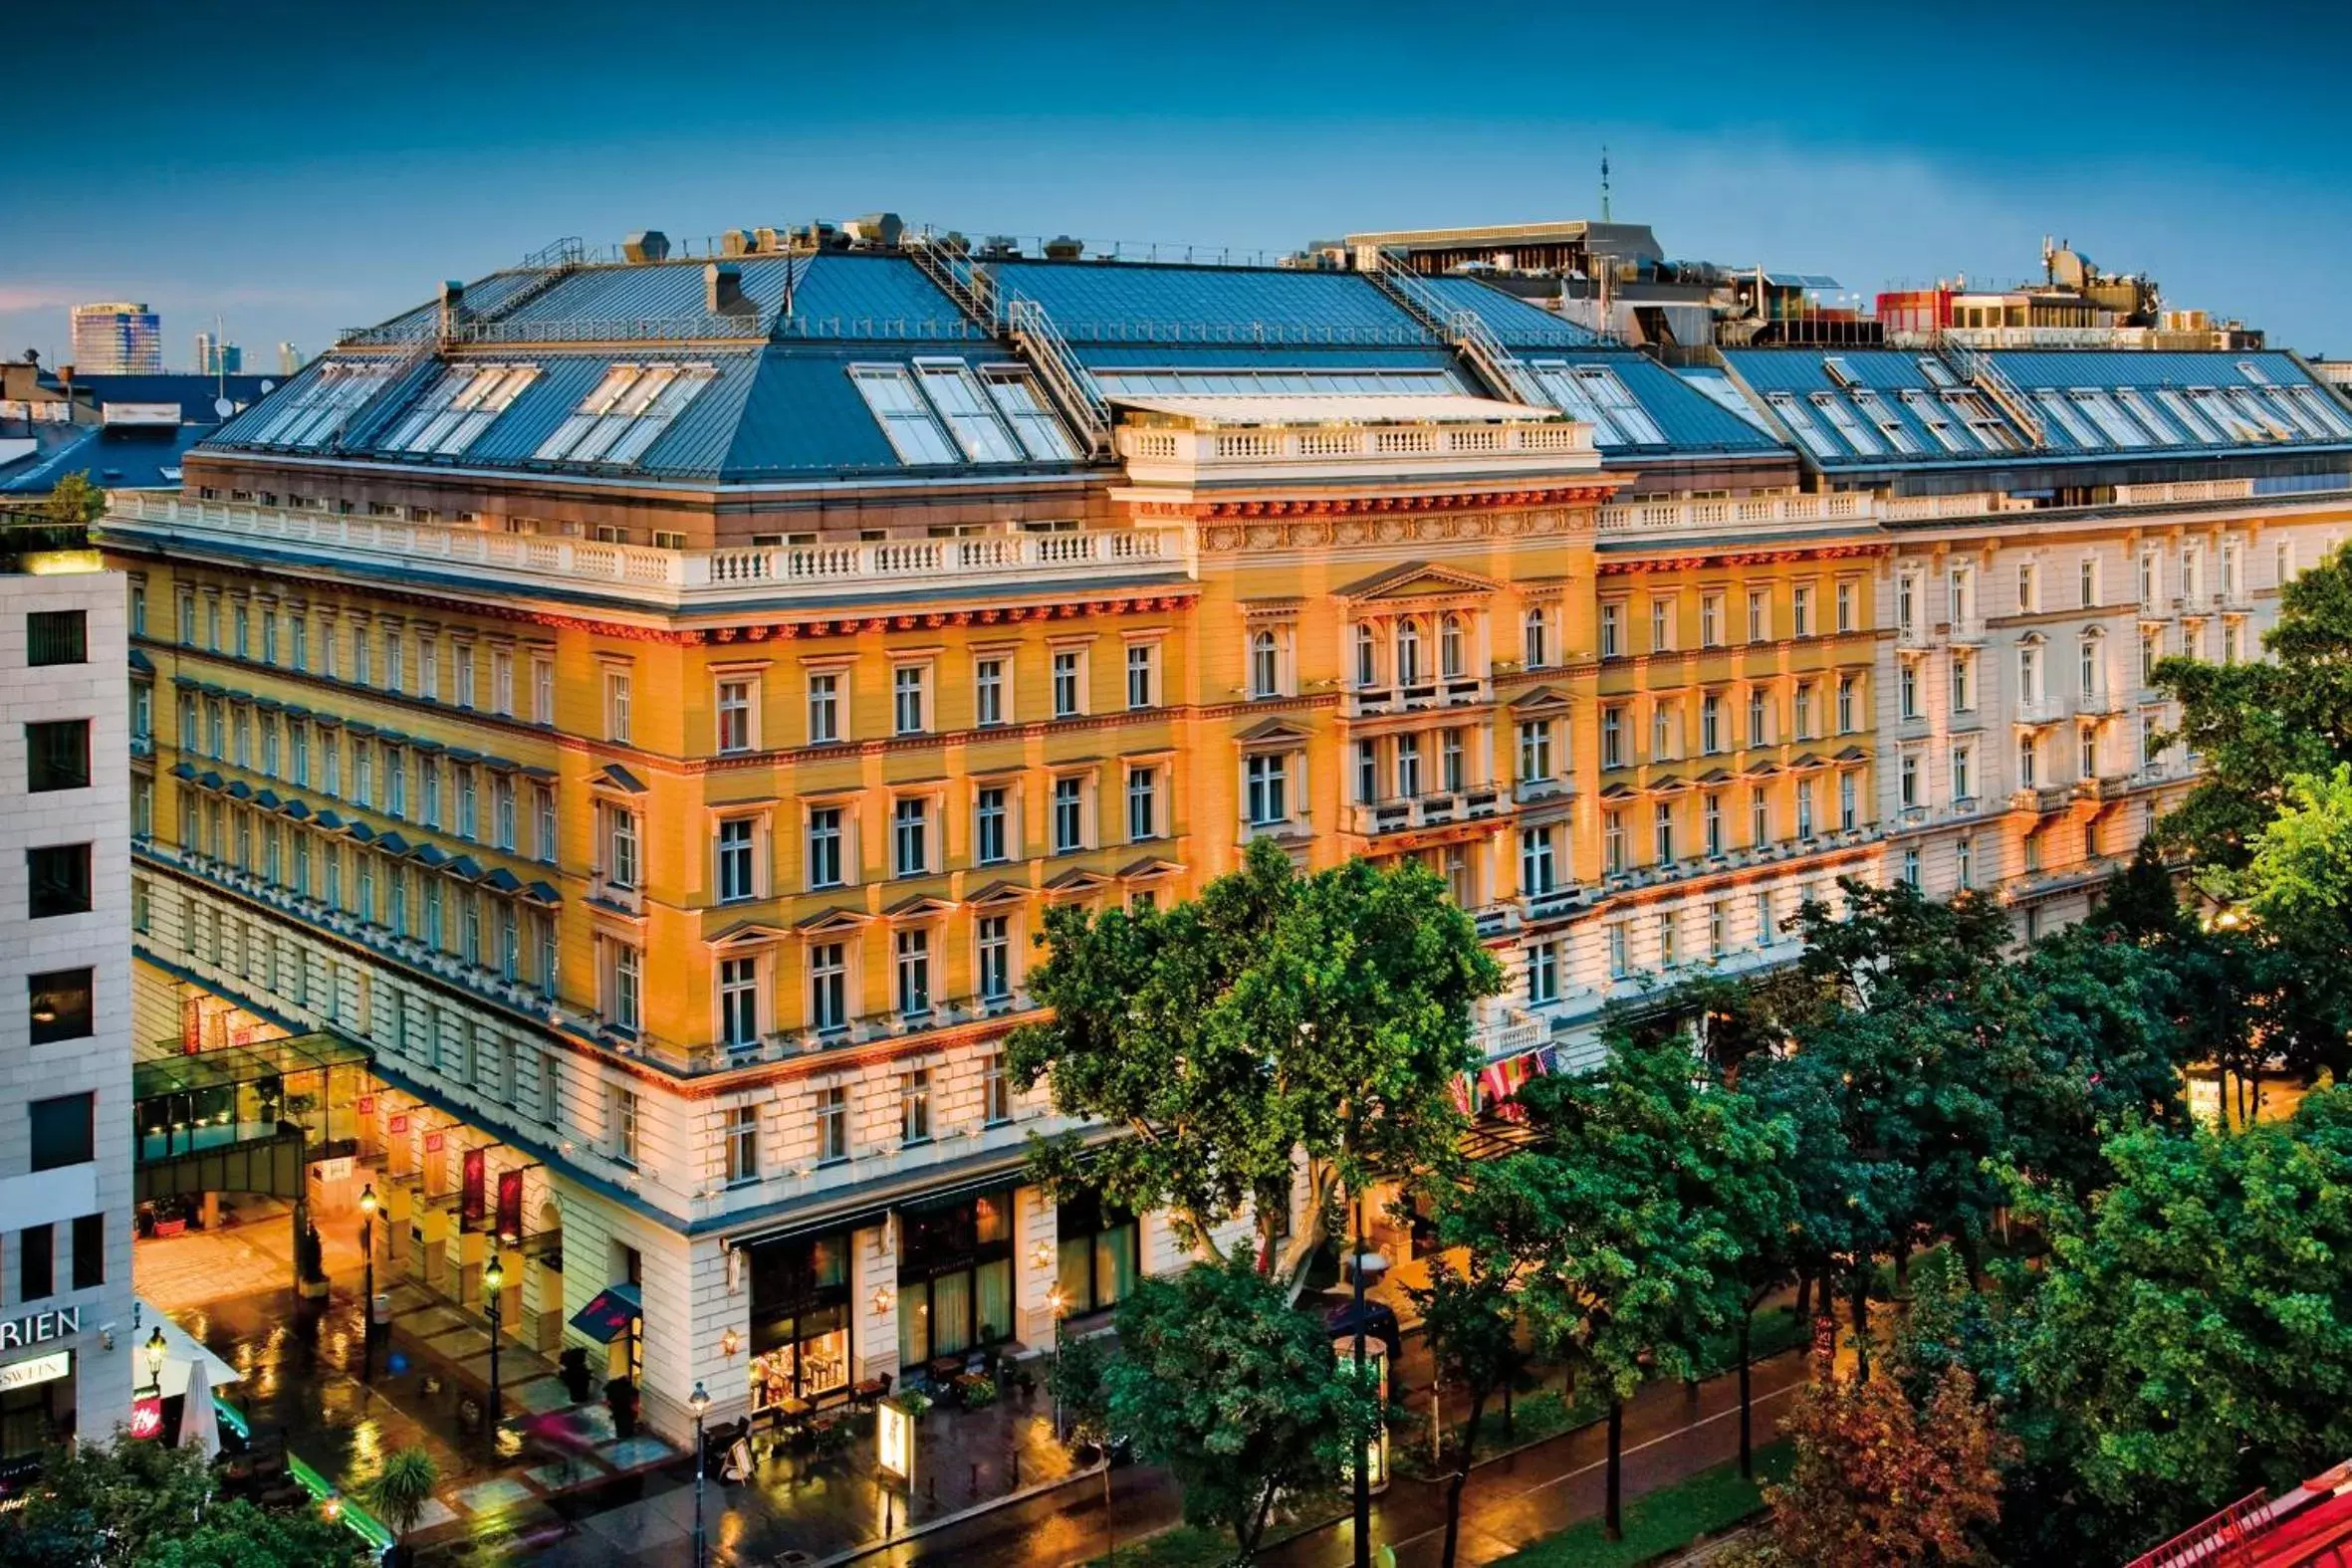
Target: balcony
<point>2101,703</point>
<point>1455,690</point>
<point>2042,710</point>
<point>1552,903</point>
<point>2044,800</point>
<point>1531,791</point>
<point>817,575</point>
<point>1206,453</point>
<point>1963,630</point>
<point>1406,812</point>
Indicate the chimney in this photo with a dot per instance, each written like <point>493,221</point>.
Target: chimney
<point>452,306</point>
<point>722,290</point>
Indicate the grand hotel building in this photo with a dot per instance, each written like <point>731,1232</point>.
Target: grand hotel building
<point>648,707</point>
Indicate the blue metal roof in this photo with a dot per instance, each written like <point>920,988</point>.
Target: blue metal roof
<point>1126,302</point>
<point>120,457</point>
<point>1211,357</point>
<point>1692,422</point>
<point>195,394</point>
<point>2066,389</point>
<point>1510,319</point>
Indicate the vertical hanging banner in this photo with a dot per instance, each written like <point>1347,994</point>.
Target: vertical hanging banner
<point>510,1208</point>
<point>470,1199</point>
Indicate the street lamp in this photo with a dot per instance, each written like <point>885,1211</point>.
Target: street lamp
<point>1058,1303</point>
<point>157,1350</point>
<point>494,1283</point>
<point>698,1402</point>
<point>368,1298</point>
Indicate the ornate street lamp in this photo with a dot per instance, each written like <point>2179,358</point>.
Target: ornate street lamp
<point>494,1283</point>
<point>698,1402</point>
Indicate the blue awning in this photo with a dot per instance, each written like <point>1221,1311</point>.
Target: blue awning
<point>613,1312</point>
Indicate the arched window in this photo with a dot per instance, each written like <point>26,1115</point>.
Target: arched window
<point>1368,656</point>
<point>2030,671</point>
<point>1449,646</point>
<point>1266,664</point>
<point>1408,651</point>
<point>1538,639</point>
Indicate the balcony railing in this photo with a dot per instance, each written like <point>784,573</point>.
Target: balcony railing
<point>670,578</point>
<point>1426,810</point>
<point>2045,709</point>
<point>1439,691</point>
<point>1182,454</point>
<point>2044,801</point>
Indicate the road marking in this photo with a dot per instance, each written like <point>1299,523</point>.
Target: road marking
<point>1757,1402</point>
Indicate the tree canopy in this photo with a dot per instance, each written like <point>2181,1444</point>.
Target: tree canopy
<point>1274,1016</point>
<point>140,1504</point>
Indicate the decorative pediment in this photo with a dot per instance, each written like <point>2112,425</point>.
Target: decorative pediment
<point>746,932</point>
<point>615,777</point>
<point>1716,775</point>
<point>998,893</point>
<point>827,921</point>
<point>1266,732</point>
<point>1854,754</point>
<point>1617,792</point>
<point>922,906</point>
<point>1763,770</point>
<point>1667,784</point>
<point>1149,868</point>
<point>1416,579</point>
<point>1541,700</point>
<point>1077,883</point>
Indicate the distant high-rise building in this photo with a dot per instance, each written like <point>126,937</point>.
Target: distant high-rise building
<point>117,339</point>
<point>289,358</point>
<point>216,357</point>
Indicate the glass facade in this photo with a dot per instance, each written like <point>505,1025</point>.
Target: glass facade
<point>955,1278</point>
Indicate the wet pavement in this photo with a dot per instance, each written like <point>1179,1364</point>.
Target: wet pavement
<point>309,1382</point>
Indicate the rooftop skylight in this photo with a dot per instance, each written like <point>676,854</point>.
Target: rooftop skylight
<point>624,413</point>
<point>459,407</point>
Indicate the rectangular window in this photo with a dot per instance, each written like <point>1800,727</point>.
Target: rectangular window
<point>995,956</point>
<point>1143,803</point>
<point>736,882</point>
<point>1612,629</point>
<point>502,682</point>
<point>828,986</point>
<point>1662,833</point>
<point>996,1091</point>
<point>1846,706</point>
<point>617,703</point>
<point>1661,625</point>
<point>1846,606</point>
<point>824,846</point>
<point>64,1131</point>
<point>739,1002</point>
<point>1068,699</point>
<point>825,708</point>
<point>1907,688</point>
<point>1143,668</point>
<point>1964,862</point>
<point>913,955</point>
<point>1070,814</point>
<point>1613,737</point>
<point>1711,620</point>
<point>57,637</point>
<point>1759,615</point>
<point>735,716</point>
<point>542,806</point>
<point>989,834</point>
<point>1907,792</point>
<point>1620,961</point>
<point>1759,816</point>
<point>1538,868</point>
<point>832,1124</point>
<point>89,1251</point>
<point>1765,928</point>
<point>910,687</point>
<point>1711,820</point>
<point>910,837</point>
<point>1268,790</point>
<point>1801,611</point>
<point>60,1004</point>
<point>742,1136</point>
<point>543,691</point>
<point>57,755</point>
<point>1542,973</point>
<point>621,1123</point>
<point>1963,769</point>
<point>58,880</point>
<point>915,1106</point>
<point>37,1262</point>
<point>1534,750</point>
<point>988,691</point>
<point>1612,842</point>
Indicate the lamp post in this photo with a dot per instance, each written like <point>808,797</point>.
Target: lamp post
<point>157,1351</point>
<point>698,1402</point>
<point>368,1297</point>
<point>1056,1302</point>
<point>494,1284</point>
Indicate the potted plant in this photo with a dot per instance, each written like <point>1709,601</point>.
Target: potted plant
<point>621,1396</point>
<point>172,1215</point>
<point>399,1493</point>
<point>309,1264</point>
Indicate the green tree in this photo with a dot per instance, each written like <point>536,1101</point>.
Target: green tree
<point>2258,726</point>
<point>2142,901</point>
<point>75,503</point>
<point>140,1504</point>
<point>1237,1392</point>
<point>1500,1213</point>
<point>402,1487</point>
<point>2299,882</point>
<point>1654,1168</point>
<point>1273,1015</point>
<point>2192,1324</point>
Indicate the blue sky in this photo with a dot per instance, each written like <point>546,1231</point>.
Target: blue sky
<point>299,170</point>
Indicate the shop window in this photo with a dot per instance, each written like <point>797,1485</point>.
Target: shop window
<point>955,1279</point>
<point>799,1319</point>
<point>1097,1254</point>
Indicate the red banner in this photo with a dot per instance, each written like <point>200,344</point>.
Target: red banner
<point>510,1206</point>
<point>147,1416</point>
<point>470,1194</point>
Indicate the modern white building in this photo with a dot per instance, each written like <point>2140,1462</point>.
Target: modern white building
<point>69,1362</point>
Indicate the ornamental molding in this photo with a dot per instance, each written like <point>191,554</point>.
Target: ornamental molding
<point>1611,568</point>
<point>1300,530</point>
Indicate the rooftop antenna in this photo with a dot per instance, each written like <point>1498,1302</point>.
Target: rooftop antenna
<point>1605,182</point>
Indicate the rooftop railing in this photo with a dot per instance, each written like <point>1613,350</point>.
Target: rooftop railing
<point>1427,449</point>
<point>671,578</point>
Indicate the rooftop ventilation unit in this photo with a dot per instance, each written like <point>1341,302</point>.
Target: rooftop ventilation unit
<point>997,247</point>
<point>738,242</point>
<point>452,306</point>
<point>721,291</point>
<point>875,229</point>
<point>647,245</point>
<point>1063,248</point>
